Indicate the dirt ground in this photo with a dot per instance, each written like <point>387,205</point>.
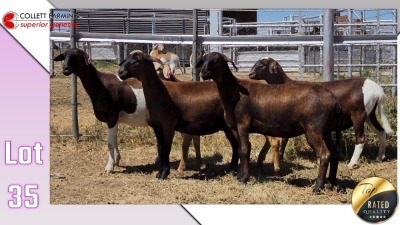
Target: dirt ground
<point>77,175</point>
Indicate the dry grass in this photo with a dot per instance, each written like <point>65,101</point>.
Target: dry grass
<point>77,168</point>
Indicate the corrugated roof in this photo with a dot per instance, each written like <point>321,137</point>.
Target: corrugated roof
<point>140,21</point>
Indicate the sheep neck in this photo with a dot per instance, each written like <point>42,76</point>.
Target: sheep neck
<point>154,90</point>
<point>286,78</point>
<point>280,78</point>
<point>228,88</point>
<point>91,82</point>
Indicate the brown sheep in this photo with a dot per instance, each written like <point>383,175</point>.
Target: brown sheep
<point>358,97</point>
<point>170,108</point>
<point>276,110</point>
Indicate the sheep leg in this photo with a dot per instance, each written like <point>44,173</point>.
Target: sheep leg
<point>113,153</point>
<point>164,143</point>
<point>358,125</point>
<point>275,145</point>
<point>378,129</point>
<point>334,160</point>
<point>315,140</point>
<point>282,149</point>
<point>263,152</point>
<point>186,139</point>
<point>196,144</point>
<point>233,140</point>
<point>244,153</point>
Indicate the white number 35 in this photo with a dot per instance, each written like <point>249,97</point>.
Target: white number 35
<point>23,196</point>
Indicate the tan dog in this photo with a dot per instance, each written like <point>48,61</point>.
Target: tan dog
<point>168,58</point>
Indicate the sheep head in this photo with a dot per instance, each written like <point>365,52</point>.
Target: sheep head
<point>136,65</point>
<point>214,64</point>
<point>75,60</point>
<point>267,69</point>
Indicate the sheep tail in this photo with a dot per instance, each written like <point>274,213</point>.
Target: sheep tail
<point>385,121</point>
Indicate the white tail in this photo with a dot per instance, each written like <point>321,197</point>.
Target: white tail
<point>385,121</point>
<point>375,96</point>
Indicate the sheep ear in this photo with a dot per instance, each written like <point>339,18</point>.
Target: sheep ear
<point>199,63</point>
<point>88,61</point>
<point>271,67</point>
<point>230,60</point>
<point>122,62</point>
<point>60,57</point>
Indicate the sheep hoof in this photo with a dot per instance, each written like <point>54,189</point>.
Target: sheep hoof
<point>163,174</point>
<point>243,179</point>
<point>181,168</point>
<point>352,167</point>
<point>108,168</point>
<point>380,158</point>
<point>318,187</point>
<point>316,191</point>
<point>330,187</point>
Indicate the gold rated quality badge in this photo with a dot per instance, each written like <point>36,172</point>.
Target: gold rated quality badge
<point>374,199</point>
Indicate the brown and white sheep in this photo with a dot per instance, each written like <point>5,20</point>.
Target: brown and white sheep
<point>359,99</point>
<point>114,101</point>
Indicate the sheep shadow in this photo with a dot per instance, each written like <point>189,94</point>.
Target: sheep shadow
<point>147,168</point>
<point>342,184</point>
<point>212,169</point>
<point>266,172</point>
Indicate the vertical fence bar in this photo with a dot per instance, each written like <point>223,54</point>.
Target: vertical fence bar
<point>301,48</point>
<point>328,45</point>
<point>195,74</point>
<point>378,57</point>
<point>321,58</point>
<point>74,89</point>
<point>350,59</point>
<point>394,72</point>
<point>127,31</point>
<point>216,28</point>
<point>378,21</point>
<point>153,28</point>
<point>120,52</point>
<point>349,48</point>
<point>337,60</point>
<point>362,57</point>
